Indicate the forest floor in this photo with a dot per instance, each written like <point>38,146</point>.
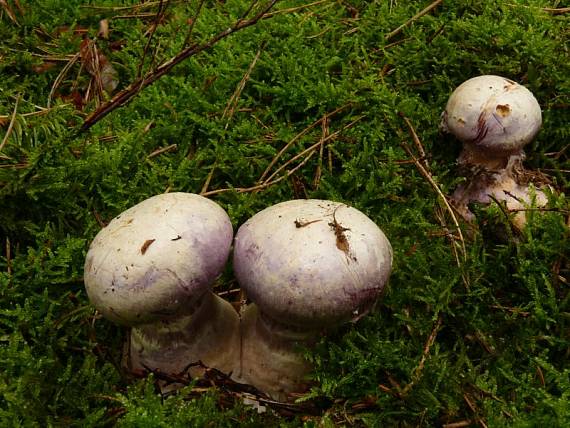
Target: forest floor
<point>105,103</point>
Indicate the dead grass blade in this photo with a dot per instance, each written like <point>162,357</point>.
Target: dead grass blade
<point>297,137</point>
<point>231,106</point>
<point>420,367</point>
<point>313,147</point>
<point>412,19</point>
<point>427,175</point>
<point>11,125</point>
<point>10,12</point>
<point>61,76</point>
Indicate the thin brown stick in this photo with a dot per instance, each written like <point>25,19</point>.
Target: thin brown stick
<point>420,367</point>
<point>313,147</point>
<point>475,410</point>
<point>61,76</point>
<point>124,96</point>
<point>412,19</point>
<point>161,11</point>
<point>193,23</point>
<point>318,171</point>
<point>556,10</point>
<point>11,125</point>
<point>417,142</point>
<point>208,180</point>
<point>459,424</point>
<point>231,106</point>
<point>261,186</point>
<point>162,150</point>
<point>431,181</point>
<point>8,258</point>
<point>296,138</point>
<point>9,12</point>
<point>145,5</point>
<point>295,9</point>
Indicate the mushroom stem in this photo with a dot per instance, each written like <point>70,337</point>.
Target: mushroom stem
<point>208,333</point>
<point>489,159</point>
<point>270,358</point>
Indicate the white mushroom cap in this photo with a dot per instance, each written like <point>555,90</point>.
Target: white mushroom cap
<point>492,112</point>
<point>157,258</point>
<point>311,262</point>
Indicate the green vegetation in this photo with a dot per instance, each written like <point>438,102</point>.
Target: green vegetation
<point>479,337</point>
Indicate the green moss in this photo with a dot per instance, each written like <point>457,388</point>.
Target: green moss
<point>500,353</point>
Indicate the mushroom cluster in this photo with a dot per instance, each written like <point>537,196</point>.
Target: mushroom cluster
<point>494,118</point>
<point>305,264</point>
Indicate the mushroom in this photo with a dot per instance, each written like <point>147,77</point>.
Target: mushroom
<point>494,118</point>
<point>307,265</point>
<point>152,269</point>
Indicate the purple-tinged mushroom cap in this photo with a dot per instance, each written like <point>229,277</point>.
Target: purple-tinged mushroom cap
<point>492,112</point>
<point>312,262</point>
<point>158,258</point>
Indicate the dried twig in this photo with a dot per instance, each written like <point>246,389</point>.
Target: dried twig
<point>417,142</point>
<point>412,19</point>
<point>475,410</point>
<point>431,181</point>
<point>318,172</point>
<point>145,5</point>
<point>9,11</point>
<point>295,9</point>
<point>8,258</point>
<point>264,185</point>
<point>314,147</point>
<point>459,424</point>
<point>159,15</point>
<point>193,23</point>
<point>61,76</point>
<point>162,150</point>
<point>128,93</point>
<point>11,125</point>
<point>234,99</point>
<point>208,180</point>
<point>419,368</point>
<point>296,138</point>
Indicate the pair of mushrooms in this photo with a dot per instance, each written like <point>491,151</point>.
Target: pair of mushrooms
<point>306,264</point>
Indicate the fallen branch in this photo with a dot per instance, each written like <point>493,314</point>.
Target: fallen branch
<point>133,89</point>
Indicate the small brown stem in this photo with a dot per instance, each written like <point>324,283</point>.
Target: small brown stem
<point>418,370</point>
<point>161,10</point>
<point>313,147</point>
<point>296,138</point>
<point>431,181</point>
<point>234,99</point>
<point>11,125</point>
<point>162,150</point>
<point>412,19</point>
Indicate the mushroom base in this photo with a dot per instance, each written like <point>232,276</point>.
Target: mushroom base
<point>270,356</point>
<point>503,186</point>
<point>209,335</point>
